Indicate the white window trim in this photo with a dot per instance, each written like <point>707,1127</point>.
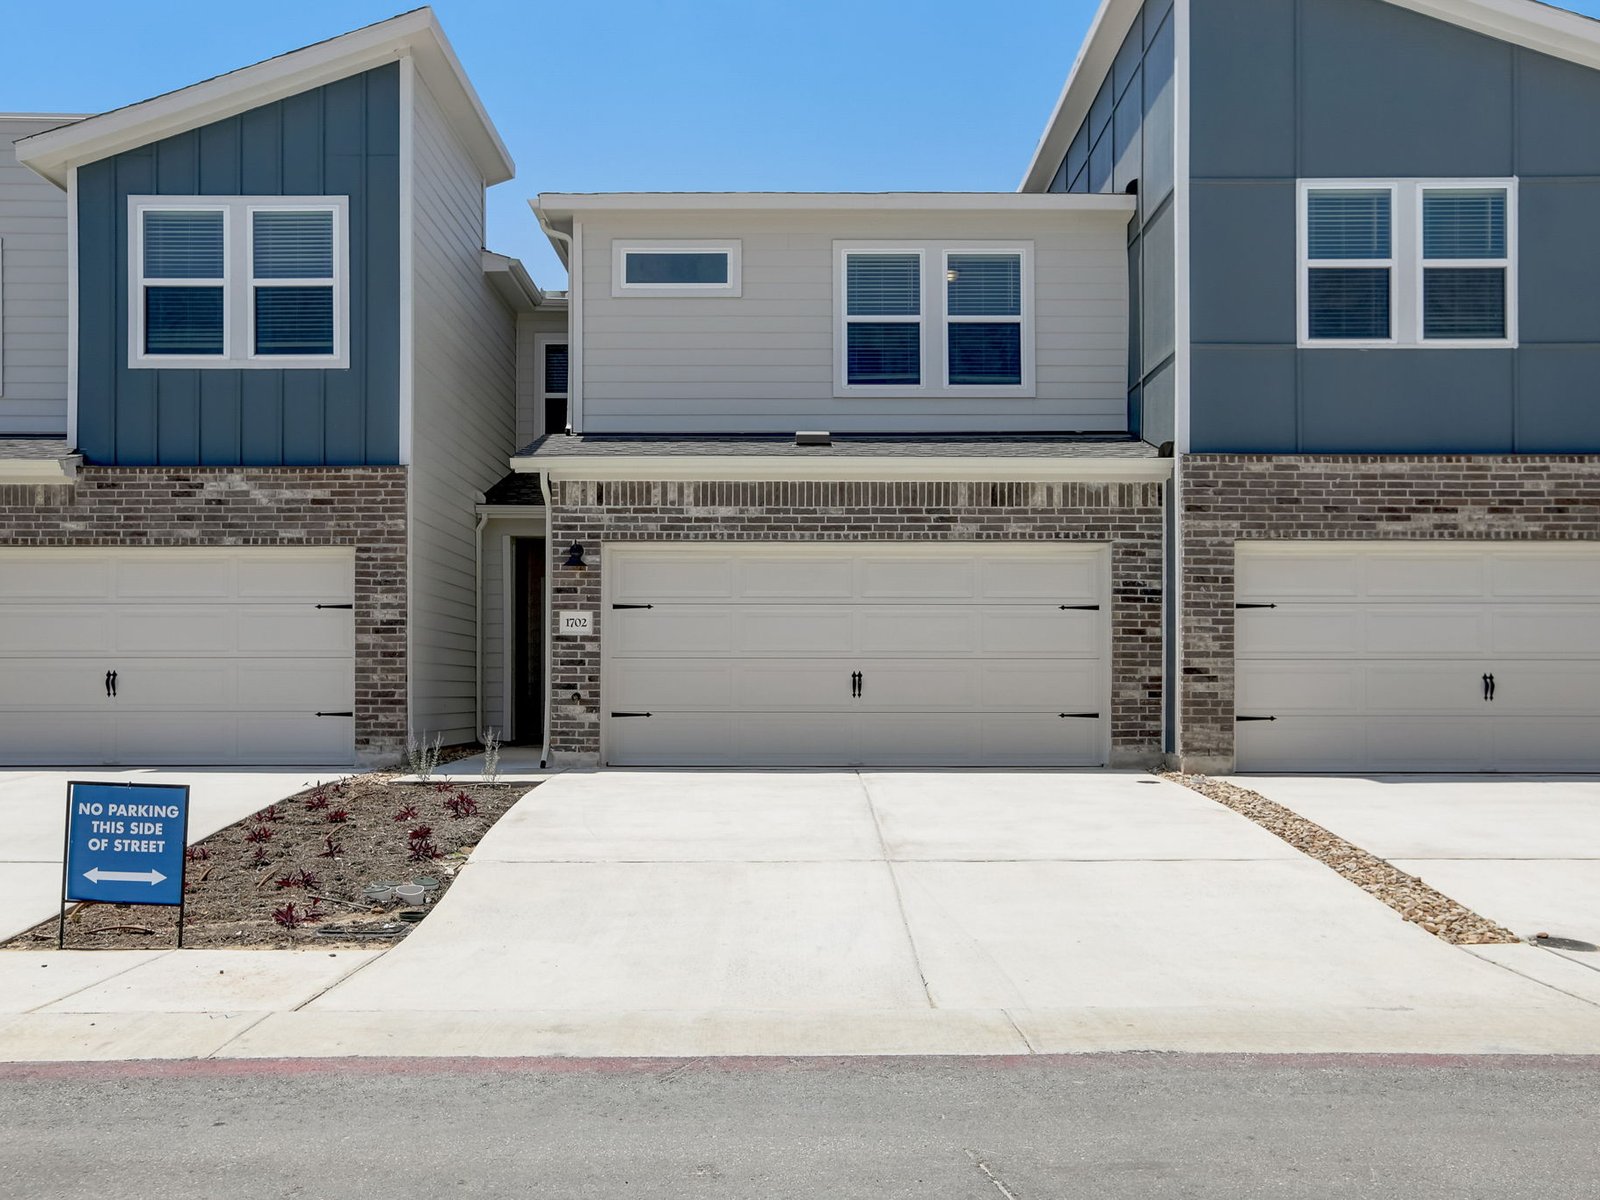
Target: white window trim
<point>541,344</point>
<point>620,249</point>
<point>1404,264</point>
<point>1024,318</point>
<point>2,316</point>
<point>238,308</point>
<point>934,319</point>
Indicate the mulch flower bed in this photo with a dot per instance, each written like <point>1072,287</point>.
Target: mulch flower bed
<point>1406,894</point>
<point>295,873</point>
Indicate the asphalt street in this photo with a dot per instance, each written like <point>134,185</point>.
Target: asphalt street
<point>1100,1126</point>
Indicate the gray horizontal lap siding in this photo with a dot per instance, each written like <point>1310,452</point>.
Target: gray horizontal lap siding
<point>339,140</point>
<point>1127,137</point>
<point>1304,89</point>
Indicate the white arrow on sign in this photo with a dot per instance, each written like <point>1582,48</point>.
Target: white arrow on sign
<point>98,876</point>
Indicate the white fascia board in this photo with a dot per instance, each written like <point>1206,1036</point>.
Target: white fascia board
<point>1106,33</point>
<point>554,206</point>
<point>1542,27</point>
<point>414,35</point>
<point>511,282</point>
<point>751,468</point>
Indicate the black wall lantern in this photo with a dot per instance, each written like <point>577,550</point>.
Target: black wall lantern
<point>575,556</point>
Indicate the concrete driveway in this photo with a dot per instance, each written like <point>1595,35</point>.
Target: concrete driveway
<point>33,811</point>
<point>740,912</point>
<point>1521,850</point>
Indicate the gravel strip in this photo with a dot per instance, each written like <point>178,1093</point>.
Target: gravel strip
<point>1406,894</point>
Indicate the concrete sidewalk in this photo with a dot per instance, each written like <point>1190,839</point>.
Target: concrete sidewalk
<point>33,813</point>
<point>683,913</point>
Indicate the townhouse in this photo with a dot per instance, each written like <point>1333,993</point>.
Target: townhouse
<point>1254,431</point>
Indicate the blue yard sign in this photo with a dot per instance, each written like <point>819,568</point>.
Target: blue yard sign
<point>125,842</point>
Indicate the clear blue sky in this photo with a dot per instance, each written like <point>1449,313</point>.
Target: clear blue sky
<point>647,95</point>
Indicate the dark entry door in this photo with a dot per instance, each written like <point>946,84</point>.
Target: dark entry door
<point>528,630</point>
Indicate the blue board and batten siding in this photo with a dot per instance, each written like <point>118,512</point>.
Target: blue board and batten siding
<point>339,140</point>
<point>1305,89</point>
<point>1127,139</point>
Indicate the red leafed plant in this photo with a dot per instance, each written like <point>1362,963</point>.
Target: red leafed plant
<point>330,848</point>
<point>259,835</point>
<point>261,858</point>
<point>299,879</point>
<point>423,851</point>
<point>316,801</point>
<point>461,805</point>
<point>408,813</point>
<point>338,816</point>
<point>419,833</point>
<point>291,917</point>
<point>269,813</point>
<point>197,853</point>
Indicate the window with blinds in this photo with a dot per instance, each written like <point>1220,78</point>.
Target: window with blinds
<point>238,281</point>
<point>883,319</point>
<point>183,284</point>
<point>292,283</point>
<point>1408,263</point>
<point>983,308</point>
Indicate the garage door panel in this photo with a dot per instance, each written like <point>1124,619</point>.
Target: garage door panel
<point>171,630</point>
<point>1305,630</point>
<point>784,578</point>
<point>778,630</point>
<point>294,738</point>
<point>30,575</point>
<point>306,684</point>
<point>1556,630</point>
<point>668,683</point>
<point>313,579</point>
<point>174,577</point>
<point>652,578</point>
<point>1275,688</point>
<point>50,683</point>
<point>1534,744</point>
<point>1553,576</point>
<point>1535,686</point>
<point>1423,576</point>
<point>63,632</point>
<point>1071,686</point>
<point>1406,687</point>
<point>1329,575</point>
<point>1039,740</point>
<point>917,631</point>
<point>1427,743</point>
<point>299,630</point>
<point>1061,580</point>
<point>928,684</point>
<point>1035,631</point>
<point>916,577</point>
<point>1424,629</point>
<point>664,631</point>
<point>53,739</point>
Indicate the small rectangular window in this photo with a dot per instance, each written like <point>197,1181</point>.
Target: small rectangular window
<point>1465,264</point>
<point>183,283</point>
<point>292,283</point>
<point>1355,229</point>
<point>883,320</point>
<point>675,268</point>
<point>983,301</point>
<point>553,383</point>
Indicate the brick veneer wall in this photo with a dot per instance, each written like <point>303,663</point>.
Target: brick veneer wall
<point>1227,498</point>
<point>363,507</point>
<point>1127,515</point>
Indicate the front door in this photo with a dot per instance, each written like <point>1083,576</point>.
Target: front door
<point>527,698</point>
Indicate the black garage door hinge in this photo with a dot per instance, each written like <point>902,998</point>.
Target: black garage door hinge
<point>1079,716</point>
<point>1080,608</point>
<point>336,714</point>
<point>633,606</point>
<point>336,606</point>
<point>1255,718</point>
<point>1255,606</point>
<point>629,714</point>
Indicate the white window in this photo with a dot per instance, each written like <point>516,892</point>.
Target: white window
<point>675,268</point>
<point>552,361</point>
<point>1408,263</point>
<point>238,281</point>
<point>2,317</point>
<point>968,330</point>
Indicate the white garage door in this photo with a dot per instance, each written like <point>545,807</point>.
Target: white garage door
<point>851,655</point>
<point>1418,657</point>
<point>179,657</point>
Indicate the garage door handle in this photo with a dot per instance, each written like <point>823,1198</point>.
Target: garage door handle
<point>855,683</point>
<point>111,684</point>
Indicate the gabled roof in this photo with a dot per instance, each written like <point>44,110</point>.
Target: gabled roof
<point>1529,23</point>
<point>415,34</point>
